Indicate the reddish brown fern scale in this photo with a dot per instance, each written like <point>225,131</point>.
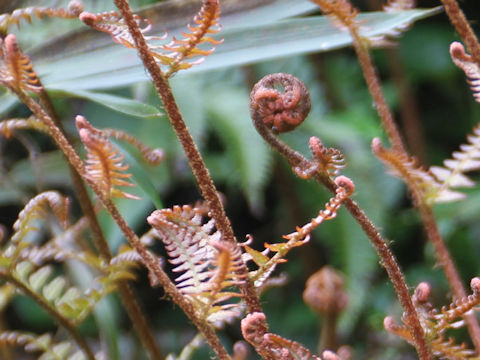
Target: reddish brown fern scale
<point>280,110</point>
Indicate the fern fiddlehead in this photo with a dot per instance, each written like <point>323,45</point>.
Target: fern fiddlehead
<point>281,109</point>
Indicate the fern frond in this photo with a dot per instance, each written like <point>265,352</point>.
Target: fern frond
<point>7,127</point>
<point>271,346</point>
<point>174,54</point>
<point>73,10</point>
<point>152,156</point>
<point>467,159</point>
<point>426,186</point>
<point>16,69</point>
<point>326,160</point>
<point>69,302</point>
<point>35,209</point>
<point>471,69</point>
<point>298,238</point>
<point>206,22</point>
<point>187,242</point>
<point>104,165</point>
<point>448,349</point>
<point>207,264</point>
<point>288,349</point>
<point>43,344</point>
<point>435,323</point>
<point>458,308</point>
<point>112,24</point>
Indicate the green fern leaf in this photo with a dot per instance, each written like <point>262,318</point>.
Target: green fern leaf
<point>35,209</point>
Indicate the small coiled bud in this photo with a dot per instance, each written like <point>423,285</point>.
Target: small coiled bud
<point>280,101</point>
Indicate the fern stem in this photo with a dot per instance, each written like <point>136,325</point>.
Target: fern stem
<point>149,260</point>
<point>388,260</point>
<point>451,273</point>
<point>59,318</point>
<point>428,220</point>
<point>459,21</point>
<point>199,169</point>
<point>126,294</point>
<point>373,83</point>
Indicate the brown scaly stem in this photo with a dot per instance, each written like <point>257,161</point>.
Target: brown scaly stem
<point>50,310</point>
<point>458,20</point>
<point>149,260</point>
<point>388,261</point>
<point>126,293</point>
<point>199,169</point>
<point>375,89</point>
<point>429,223</point>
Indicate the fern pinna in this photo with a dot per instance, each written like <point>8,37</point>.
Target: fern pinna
<point>207,264</point>
<point>104,165</point>
<point>174,54</point>
<point>6,20</point>
<point>437,323</point>
<point>29,265</point>
<point>16,69</point>
<point>436,184</point>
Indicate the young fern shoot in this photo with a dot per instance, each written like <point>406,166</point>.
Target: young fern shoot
<point>436,323</point>
<point>104,165</point>
<point>16,69</point>
<point>207,265</point>
<point>172,56</point>
<point>6,20</point>
<point>471,68</point>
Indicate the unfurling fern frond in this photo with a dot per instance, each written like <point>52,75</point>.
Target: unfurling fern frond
<point>423,183</point>
<point>266,265</point>
<point>325,160</point>
<point>35,209</point>
<point>152,156</point>
<point>436,323</point>
<point>16,69</point>
<point>471,68</point>
<point>43,345</point>
<point>112,23</point>
<point>174,54</point>
<point>6,20</point>
<point>271,346</point>
<point>69,302</point>
<point>7,127</point>
<point>207,264</point>
<point>104,165</point>
<point>206,22</point>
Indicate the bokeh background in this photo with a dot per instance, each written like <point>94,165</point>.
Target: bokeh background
<point>434,108</point>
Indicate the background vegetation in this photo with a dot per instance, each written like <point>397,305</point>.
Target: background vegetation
<point>264,198</point>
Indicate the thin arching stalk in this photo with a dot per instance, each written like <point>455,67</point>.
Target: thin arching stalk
<point>150,261</point>
<point>429,223</point>
<point>388,261</point>
<point>127,296</point>
<point>197,164</point>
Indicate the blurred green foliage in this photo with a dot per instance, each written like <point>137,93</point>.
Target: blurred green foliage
<point>263,196</point>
